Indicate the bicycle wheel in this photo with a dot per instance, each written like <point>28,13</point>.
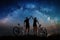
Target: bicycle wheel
<point>16,31</point>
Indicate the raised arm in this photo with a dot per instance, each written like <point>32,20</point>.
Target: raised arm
<point>37,21</point>
<point>30,17</point>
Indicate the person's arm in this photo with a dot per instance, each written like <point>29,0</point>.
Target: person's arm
<point>37,21</point>
<point>24,22</point>
<point>30,17</point>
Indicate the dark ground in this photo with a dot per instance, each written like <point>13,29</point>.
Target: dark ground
<point>31,37</point>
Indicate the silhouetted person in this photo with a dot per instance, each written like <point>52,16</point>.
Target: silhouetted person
<point>26,22</point>
<point>35,21</point>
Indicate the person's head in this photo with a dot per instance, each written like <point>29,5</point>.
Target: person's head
<point>26,17</point>
<point>35,18</point>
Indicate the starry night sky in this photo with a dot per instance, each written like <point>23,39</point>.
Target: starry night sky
<point>15,11</point>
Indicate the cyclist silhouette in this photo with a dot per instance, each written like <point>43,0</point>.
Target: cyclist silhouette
<point>35,21</point>
<point>27,24</point>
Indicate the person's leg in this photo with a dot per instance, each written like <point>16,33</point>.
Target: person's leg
<point>27,30</point>
<point>35,30</point>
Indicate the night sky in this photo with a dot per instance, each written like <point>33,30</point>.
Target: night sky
<point>15,11</point>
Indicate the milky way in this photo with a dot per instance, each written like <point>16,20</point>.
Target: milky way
<point>45,13</point>
<point>18,15</point>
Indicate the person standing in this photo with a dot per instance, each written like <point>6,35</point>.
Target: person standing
<point>27,24</point>
<point>35,21</point>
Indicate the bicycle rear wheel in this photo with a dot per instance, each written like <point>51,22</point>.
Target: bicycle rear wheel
<point>16,31</point>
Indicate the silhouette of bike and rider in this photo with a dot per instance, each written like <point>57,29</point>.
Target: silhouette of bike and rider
<point>35,21</point>
<point>27,24</point>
